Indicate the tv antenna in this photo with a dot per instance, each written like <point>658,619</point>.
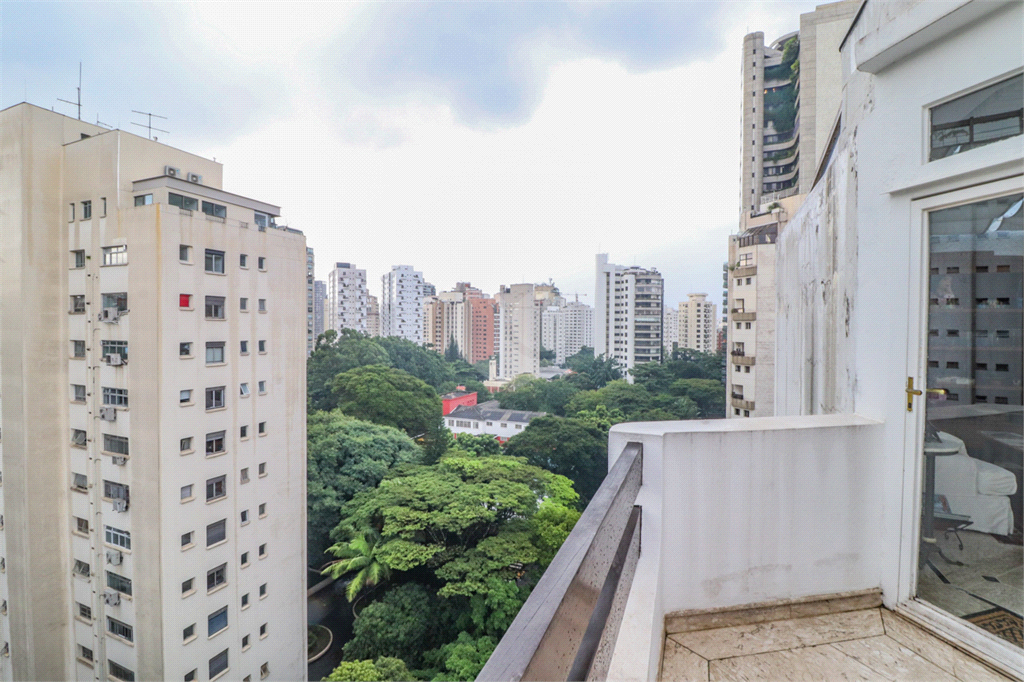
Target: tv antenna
<point>79,102</point>
<point>149,126</point>
<point>101,123</point>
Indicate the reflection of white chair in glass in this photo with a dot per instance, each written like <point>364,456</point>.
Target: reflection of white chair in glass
<point>977,489</point>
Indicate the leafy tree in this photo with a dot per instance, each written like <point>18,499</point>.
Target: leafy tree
<point>482,369</point>
<point>358,555</point>
<point>569,447</point>
<point>599,370</point>
<point>354,671</point>
<point>527,392</point>
<point>388,396</point>
<point>708,394</point>
<point>478,445</point>
<point>696,365</point>
<point>423,363</point>
<point>464,658</point>
<point>601,417</point>
<point>546,354</point>
<point>551,525</point>
<point>452,353</point>
<point>345,455</point>
<point>630,399</point>
<point>336,353</point>
<point>392,669</point>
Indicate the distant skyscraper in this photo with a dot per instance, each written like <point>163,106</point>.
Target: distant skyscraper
<point>697,324</point>
<point>373,318</point>
<point>348,298</point>
<point>566,329</point>
<point>310,300</point>
<point>518,331</point>
<point>319,301</point>
<point>670,337</point>
<point>628,313</point>
<point>429,289</point>
<point>401,303</point>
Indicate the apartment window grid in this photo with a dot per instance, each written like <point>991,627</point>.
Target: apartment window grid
<point>120,629</point>
<point>117,537</point>
<point>215,442</point>
<point>115,444</point>
<point>118,397</point>
<point>114,347</point>
<point>119,583</point>
<point>215,397</point>
<point>115,255</point>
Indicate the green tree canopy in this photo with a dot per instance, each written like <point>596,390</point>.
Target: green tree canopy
<point>343,456</point>
<point>336,353</point>
<point>464,658</point>
<point>388,396</point>
<point>569,447</point>
<point>527,392</point>
<point>452,352</point>
<point>423,363</point>
<point>599,370</point>
<point>478,444</point>
<point>708,394</point>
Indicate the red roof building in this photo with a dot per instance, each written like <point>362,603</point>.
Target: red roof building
<point>449,401</point>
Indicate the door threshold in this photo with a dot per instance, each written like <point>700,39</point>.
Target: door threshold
<point>991,650</point>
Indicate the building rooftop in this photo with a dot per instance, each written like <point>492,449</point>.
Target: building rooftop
<point>492,411</point>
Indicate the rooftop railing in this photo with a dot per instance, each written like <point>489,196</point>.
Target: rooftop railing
<point>567,628</point>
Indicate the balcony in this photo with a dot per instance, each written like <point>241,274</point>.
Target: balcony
<point>749,360</point>
<point>739,402</point>
<point>748,271</point>
<point>744,317</point>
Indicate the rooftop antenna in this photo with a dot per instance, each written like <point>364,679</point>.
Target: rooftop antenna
<point>101,123</point>
<point>149,126</point>
<point>79,102</point>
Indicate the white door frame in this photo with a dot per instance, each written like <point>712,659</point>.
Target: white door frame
<point>964,633</point>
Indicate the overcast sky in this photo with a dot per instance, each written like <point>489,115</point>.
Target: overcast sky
<point>491,142</point>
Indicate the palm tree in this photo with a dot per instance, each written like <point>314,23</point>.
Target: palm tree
<point>359,556</point>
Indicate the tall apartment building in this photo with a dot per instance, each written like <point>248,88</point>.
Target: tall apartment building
<point>310,301</point>
<point>348,299</point>
<point>401,303</point>
<point>518,331</point>
<point>791,95</point>
<point>698,324</point>
<point>373,317</point>
<point>628,313</point>
<point>670,335</point>
<point>482,315</point>
<point>319,301</point>
<point>566,329</point>
<point>154,428</point>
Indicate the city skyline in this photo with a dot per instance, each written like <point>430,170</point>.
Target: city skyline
<point>557,79</point>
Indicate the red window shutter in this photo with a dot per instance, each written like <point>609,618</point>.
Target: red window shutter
<point>185,300</point>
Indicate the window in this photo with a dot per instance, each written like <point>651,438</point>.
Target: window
<point>78,258</point>
<point>216,488</point>
<point>214,352</point>
<point>261,346</point>
<point>261,220</point>
<point>81,525</point>
<point>262,303</point>
<point>188,586</point>
<point>263,509</point>
<point>187,203</point>
<point>185,396</point>
<point>185,349</point>
<point>262,263</point>
<point>84,611</point>
<point>188,539</point>
<point>245,600</point>
<point>78,349</point>
<point>263,631</point>
<point>116,444</point>
<point>117,537</point>
<point>84,652</point>
<point>119,583</point>
<point>117,300</point>
<point>119,629</point>
<point>263,590</point>
<point>215,307</point>
<point>262,386</point>
<point>215,210</point>
<point>184,253</point>
<point>217,621</point>
<point>186,444</point>
<point>245,559</point>
<point>215,261</point>
<point>117,397</point>
<point>244,475</point>
<point>115,491</point>
<point>216,532</point>
<point>263,550</point>
<point>264,669</point>
<point>244,345</point>
<point>218,663</point>
<point>79,482</point>
<point>116,670</point>
<point>216,576</point>
<point>245,642</point>
<point>245,516</point>
<point>215,442</point>
<point>186,492</point>
<point>185,301</point>
<point>263,469</point>
<point>78,304</point>
<point>215,397</point>
<point>78,393</point>
<point>262,428</point>
<point>243,260</point>
<point>113,347</point>
<point>243,304</point>
<point>976,119</point>
<point>243,389</point>
<point>144,200</point>
<point>187,634</point>
<point>243,432</point>
<point>115,255</point>
<point>71,212</point>
<point>81,568</point>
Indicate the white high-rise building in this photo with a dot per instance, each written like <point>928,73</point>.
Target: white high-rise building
<point>154,414</point>
<point>697,327</point>
<point>373,317</point>
<point>401,303</point>
<point>670,337</point>
<point>518,331</point>
<point>348,299</point>
<point>628,313</point>
<point>319,301</point>
<point>566,329</point>
<point>310,301</point>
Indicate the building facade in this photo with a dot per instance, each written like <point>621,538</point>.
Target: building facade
<point>401,303</point>
<point>155,518</point>
<point>310,301</point>
<point>482,313</point>
<point>697,324</point>
<point>628,314</point>
<point>489,418</point>
<point>373,317</point>
<point>518,331</point>
<point>566,329</point>
<point>319,303</point>
<point>348,300</point>
<point>670,337</point>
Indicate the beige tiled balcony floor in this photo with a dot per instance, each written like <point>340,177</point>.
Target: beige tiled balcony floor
<point>867,644</point>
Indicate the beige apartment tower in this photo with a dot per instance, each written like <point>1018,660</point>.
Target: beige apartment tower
<point>152,361</point>
<point>518,321</point>
<point>697,323</point>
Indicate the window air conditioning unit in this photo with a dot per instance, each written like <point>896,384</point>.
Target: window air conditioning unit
<point>120,505</point>
<point>120,460</point>
<point>196,178</point>
<point>115,359</point>
<point>111,598</point>
<point>172,171</point>
<point>108,414</point>
<point>110,315</point>
<point>114,557</point>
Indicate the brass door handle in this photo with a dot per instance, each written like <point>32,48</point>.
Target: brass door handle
<point>939,391</point>
<point>911,392</point>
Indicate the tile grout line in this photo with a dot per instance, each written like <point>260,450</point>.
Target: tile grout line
<point>792,648</point>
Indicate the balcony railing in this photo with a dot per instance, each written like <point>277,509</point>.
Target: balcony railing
<point>567,629</point>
